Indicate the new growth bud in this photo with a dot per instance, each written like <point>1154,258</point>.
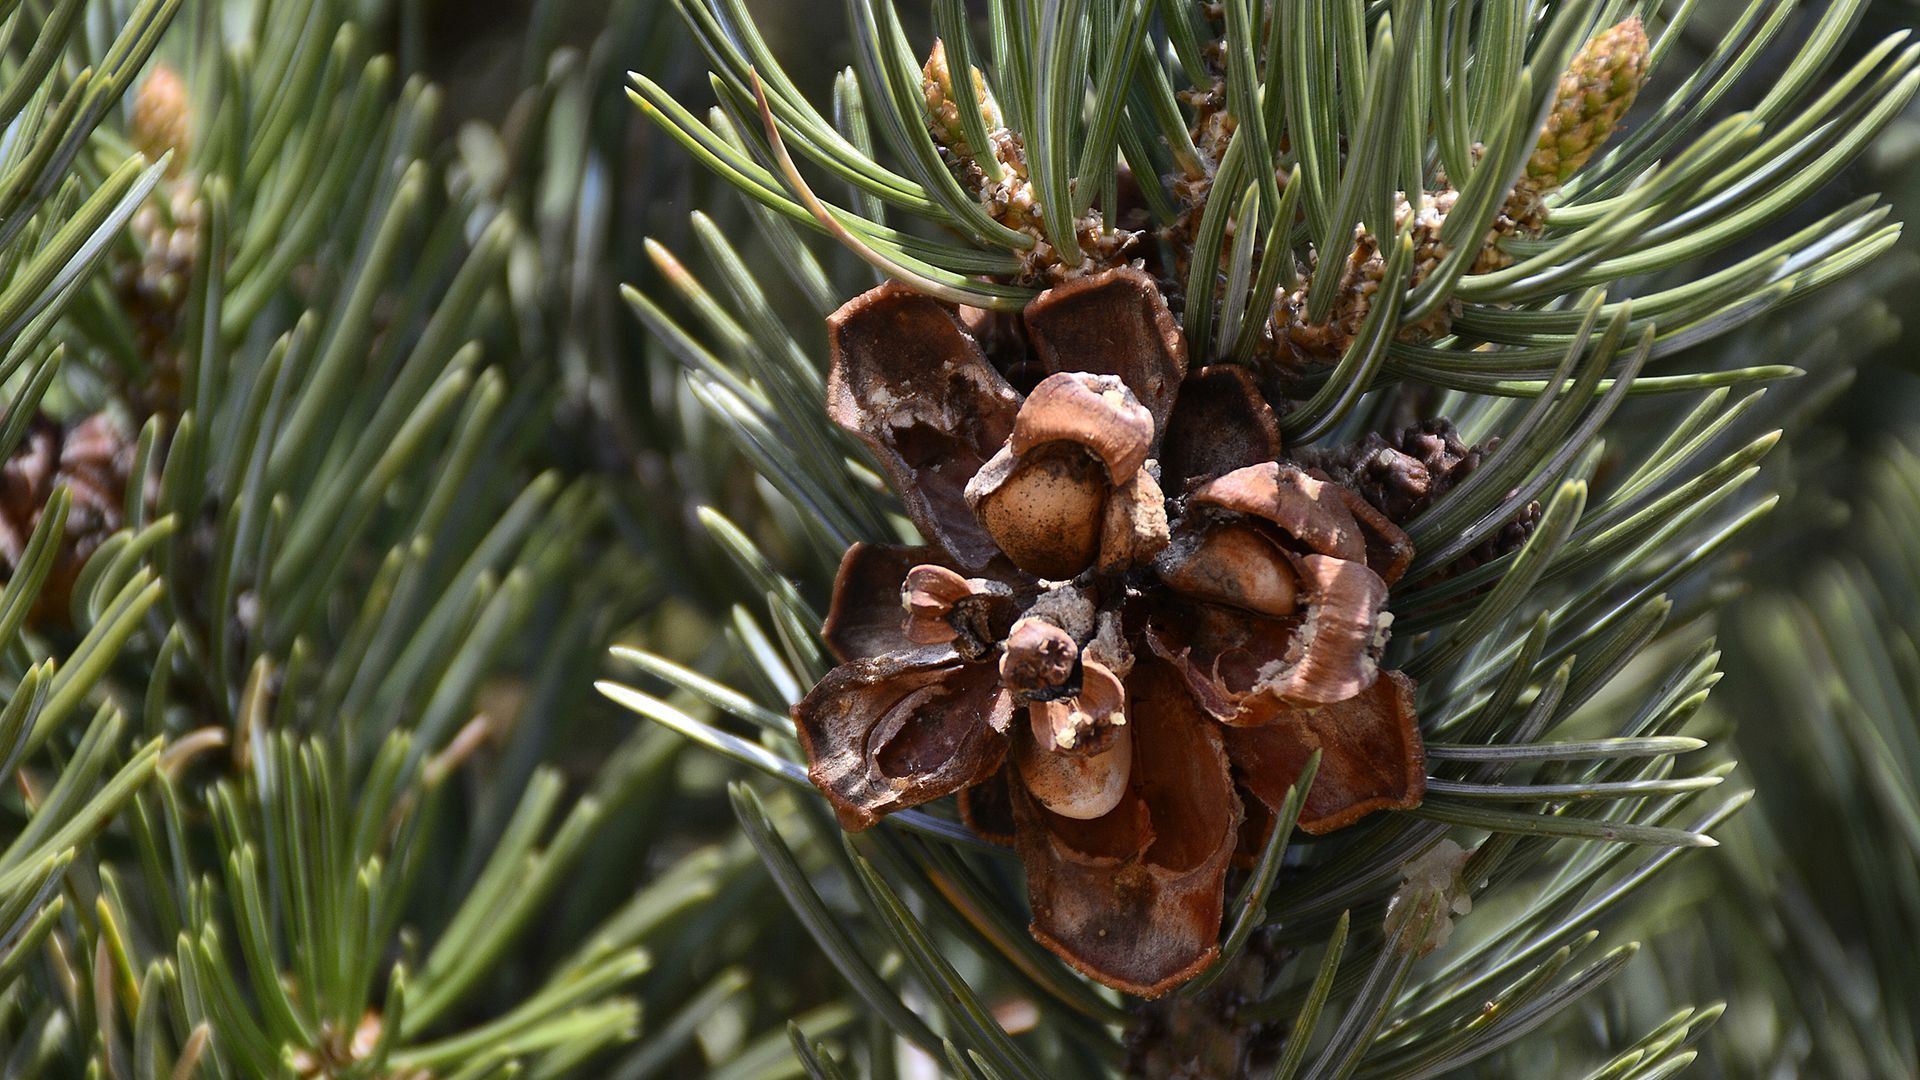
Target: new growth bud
<point>1595,92</point>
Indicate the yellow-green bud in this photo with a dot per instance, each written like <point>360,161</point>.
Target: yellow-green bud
<point>162,117</point>
<point>1595,92</point>
<point>943,115</point>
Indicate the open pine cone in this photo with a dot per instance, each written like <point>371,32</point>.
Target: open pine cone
<point>1134,625</point>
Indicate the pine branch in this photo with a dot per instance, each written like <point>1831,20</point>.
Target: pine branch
<point>1561,671</point>
<point>320,587</point>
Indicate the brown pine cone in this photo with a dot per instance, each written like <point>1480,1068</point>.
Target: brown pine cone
<point>1404,475</point>
<point>1422,463</point>
<point>94,459</point>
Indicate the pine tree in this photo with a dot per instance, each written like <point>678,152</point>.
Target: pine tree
<point>1410,235</point>
<point>1416,349</point>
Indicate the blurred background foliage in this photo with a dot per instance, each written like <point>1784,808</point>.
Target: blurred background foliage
<point>551,885</point>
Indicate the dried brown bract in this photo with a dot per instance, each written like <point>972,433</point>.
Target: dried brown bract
<point>1402,476</point>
